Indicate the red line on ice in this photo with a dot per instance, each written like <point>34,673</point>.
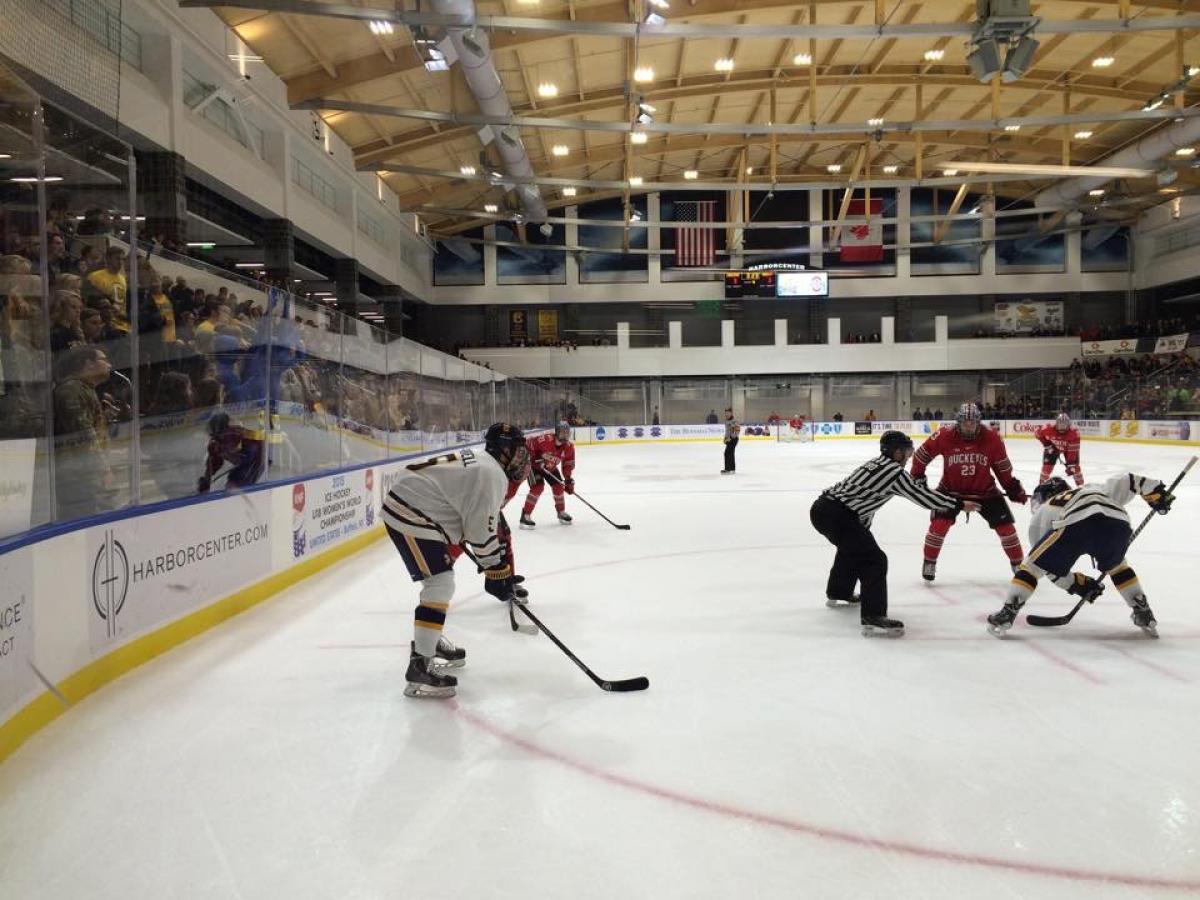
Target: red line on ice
<point>1062,662</point>
<point>830,834</point>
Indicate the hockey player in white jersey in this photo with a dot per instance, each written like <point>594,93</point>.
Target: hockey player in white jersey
<point>1085,521</point>
<point>449,502</point>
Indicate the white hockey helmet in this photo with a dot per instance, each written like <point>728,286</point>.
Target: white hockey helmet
<point>1062,422</point>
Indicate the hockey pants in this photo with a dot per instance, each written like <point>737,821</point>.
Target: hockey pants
<point>859,558</point>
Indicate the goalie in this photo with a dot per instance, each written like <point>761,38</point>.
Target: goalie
<point>1091,521</point>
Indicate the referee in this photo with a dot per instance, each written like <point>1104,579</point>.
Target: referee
<point>732,430</point>
<point>843,513</point>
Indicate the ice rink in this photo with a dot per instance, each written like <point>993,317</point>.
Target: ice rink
<point>777,752</point>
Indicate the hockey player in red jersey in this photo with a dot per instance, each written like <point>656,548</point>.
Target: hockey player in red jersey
<point>546,451</point>
<point>1060,439</point>
<point>970,453</point>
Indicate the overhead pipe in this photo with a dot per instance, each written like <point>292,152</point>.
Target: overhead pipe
<point>1145,154</point>
<point>478,66</point>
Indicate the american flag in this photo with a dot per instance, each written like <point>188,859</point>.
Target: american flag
<point>695,246</point>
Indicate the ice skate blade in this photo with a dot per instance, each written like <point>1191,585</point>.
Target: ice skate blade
<point>1150,630</point>
<point>998,630</point>
<point>528,527</point>
<point>439,663</point>
<point>834,602</point>
<point>427,691</point>
<point>872,631</point>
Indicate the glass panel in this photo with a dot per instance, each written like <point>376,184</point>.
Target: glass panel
<point>25,446</point>
<point>306,364</point>
<point>363,420</point>
<point>688,402</point>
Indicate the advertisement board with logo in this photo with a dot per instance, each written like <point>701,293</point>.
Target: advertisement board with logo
<point>1174,343</point>
<point>330,509</point>
<point>17,460</point>
<point>17,681</point>
<point>149,570</point>
<point>1027,316</point>
<point>863,427</point>
<point>1123,347</point>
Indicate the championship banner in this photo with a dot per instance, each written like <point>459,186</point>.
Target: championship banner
<point>1123,347</point>
<point>17,680</point>
<point>149,570</point>
<point>1174,343</point>
<point>17,461</point>
<point>328,510</point>
<point>1028,316</point>
<point>547,320</point>
<point>518,325</point>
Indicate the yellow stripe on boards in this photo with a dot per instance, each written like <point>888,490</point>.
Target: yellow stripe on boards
<point>44,709</point>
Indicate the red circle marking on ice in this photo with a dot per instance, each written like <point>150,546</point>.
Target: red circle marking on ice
<point>830,834</point>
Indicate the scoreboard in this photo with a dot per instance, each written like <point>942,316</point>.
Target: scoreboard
<point>765,283</point>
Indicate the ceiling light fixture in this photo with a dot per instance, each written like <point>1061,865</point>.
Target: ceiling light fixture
<point>638,137</point>
<point>749,170</point>
<point>248,265</point>
<point>890,170</point>
<point>560,150</point>
<point>202,245</point>
<point>635,181</point>
<point>1102,62</point>
<point>490,208</point>
<point>1082,135</point>
<point>380,26</point>
<point>568,192</point>
<point>33,179</point>
<point>547,89</point>
<point>467,170</point>
<point>724,64</point>
<point>643,74</point>
<point>659,4</point>
<point>834,168</point>
<point>949,173</point>
<point>1185,151</point>
<point>934,55</point>
<point>1193,71</point>
<point>1012,127</point>
<point>802,59</point>
<point>647,108</point>
<point>691,174</point>
<point>875,122</point>
<point>1098,192</point>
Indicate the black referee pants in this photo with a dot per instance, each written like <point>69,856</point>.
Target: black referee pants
<point>730,450</point>
<point>858,557</point>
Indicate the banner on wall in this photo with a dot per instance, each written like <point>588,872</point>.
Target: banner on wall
<point>1028,316</point>
<point>1122,347</point>
<point>547,320</point>
<point>518,325</point>
<point>331,509</point>
<point>17,680</point>
<point>145,571</point>
<point>17,462</point>
<point>1174,343</point>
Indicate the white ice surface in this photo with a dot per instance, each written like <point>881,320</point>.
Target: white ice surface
<point>777,753</point>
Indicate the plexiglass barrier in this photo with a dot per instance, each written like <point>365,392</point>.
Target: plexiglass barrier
<point>133,377</point>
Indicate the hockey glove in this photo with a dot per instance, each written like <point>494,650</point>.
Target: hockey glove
<point>499,582</point>
<point>203,484</point>
<point>1085,586</point>
<point>1016,492</point>
<point>1049,455</point>
<point>1160,499</point>
<point>569,485</point>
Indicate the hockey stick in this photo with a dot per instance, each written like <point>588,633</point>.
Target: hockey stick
<point>640,683</point>
<point>555,480</point>
<point>1055,621</point>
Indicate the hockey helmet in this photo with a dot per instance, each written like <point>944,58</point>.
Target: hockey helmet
<point>1051,487</point>
<point>891,441</point>
<point>562,433</point>
<point>1062,422</point>
<point>968,412</point>
<point>506,444</point>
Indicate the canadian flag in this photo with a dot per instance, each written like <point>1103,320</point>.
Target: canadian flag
<point>863,241</point>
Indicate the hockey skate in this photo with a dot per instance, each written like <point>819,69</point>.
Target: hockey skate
<point>1000,622</point>
<point>447,656</point>
<point>424,681</point>
<point>929,569</point>
<point>564,517</point>
<point>519,591</point>
<point>1143,616</point>
<point>881,626</point>
<point>832,602</point>
<point>527,522</point>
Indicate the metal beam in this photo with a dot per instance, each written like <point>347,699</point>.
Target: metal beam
<point>942,227</point>
<point>848,195</point>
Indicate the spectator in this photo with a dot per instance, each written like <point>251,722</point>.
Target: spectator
<point>110,282</point>
<point>837,417</point>
<point>65,311</point>
<point>91,323</point>
<point>83,476</point>
<point>711,418</point>
<point>89,260</point>
<point>654,417</point>
<point>870,415</point>
<point>57,259</point>
<point>206,330</point>
<point>937,414</point>
<point>95,221</point>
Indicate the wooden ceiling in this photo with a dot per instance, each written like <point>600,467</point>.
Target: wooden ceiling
<point>849,80</point>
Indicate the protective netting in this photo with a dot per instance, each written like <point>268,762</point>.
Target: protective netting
<point>76,45</point>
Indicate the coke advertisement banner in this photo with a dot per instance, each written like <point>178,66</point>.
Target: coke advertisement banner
<point>1122,347</point>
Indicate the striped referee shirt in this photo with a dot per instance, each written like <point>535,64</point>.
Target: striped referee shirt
<point>875,482</point>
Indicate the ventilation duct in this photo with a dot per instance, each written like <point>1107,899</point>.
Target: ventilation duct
<point>478,67</point>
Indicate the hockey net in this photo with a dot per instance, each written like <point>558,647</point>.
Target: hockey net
<point>785,432</point>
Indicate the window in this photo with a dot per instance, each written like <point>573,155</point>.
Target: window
<point>220,113</point>
<point>305,178</point>
<point>102,20</point>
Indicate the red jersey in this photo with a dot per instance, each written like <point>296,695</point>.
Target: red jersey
<point>546,454</point>
<point>967,465</point>
<point>1065,442</point>
<point>796,422</point>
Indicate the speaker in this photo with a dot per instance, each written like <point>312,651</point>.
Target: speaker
<point>1019,59</point>
<point>984,60</point>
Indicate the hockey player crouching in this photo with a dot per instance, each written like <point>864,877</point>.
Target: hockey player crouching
<point>1086,521</point>
<point>546,451</point>
<point>1060,439</point>
<point>970,453</point>
<point>435,505</point>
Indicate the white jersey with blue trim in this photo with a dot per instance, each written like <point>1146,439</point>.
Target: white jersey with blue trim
<point>455,496</point>
<point>1079,503</point>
